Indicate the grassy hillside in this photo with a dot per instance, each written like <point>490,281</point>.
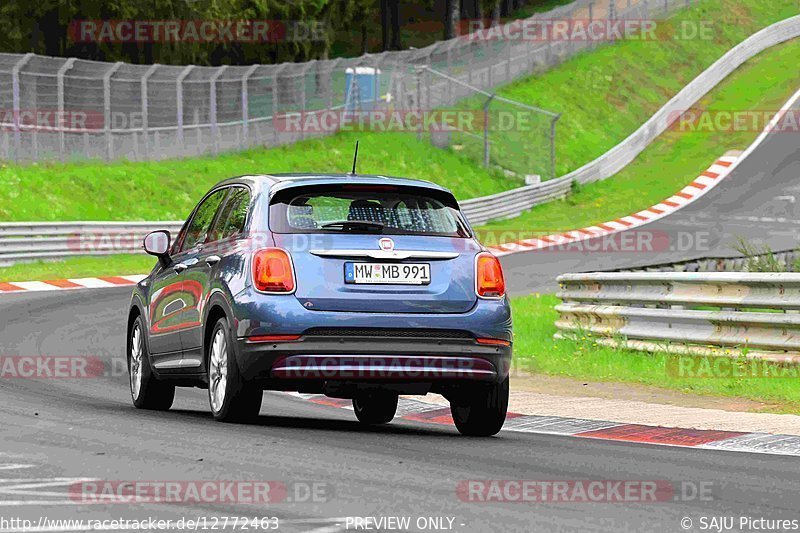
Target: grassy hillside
<point>675,158</point>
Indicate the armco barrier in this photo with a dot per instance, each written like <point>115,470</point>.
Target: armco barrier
<point>27,241</point>
<point>511,203</point>
<point>698,313</point>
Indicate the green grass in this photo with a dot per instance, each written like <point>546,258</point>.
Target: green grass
<point>79,267</point>
<point>168,190</point>
<point>674,159</point>
<point>535,350</point>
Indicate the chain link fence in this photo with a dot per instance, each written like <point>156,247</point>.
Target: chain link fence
<point>68,109</point>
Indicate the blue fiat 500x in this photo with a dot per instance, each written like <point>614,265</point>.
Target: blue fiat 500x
<point>357,287</point>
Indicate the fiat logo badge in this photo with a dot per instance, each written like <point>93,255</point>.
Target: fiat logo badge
<point>387,245</point>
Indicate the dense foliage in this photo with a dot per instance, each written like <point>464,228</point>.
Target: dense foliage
<point>310,29</point>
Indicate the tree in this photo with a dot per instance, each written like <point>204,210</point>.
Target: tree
<point>451,18</point>
<point>390,24</point>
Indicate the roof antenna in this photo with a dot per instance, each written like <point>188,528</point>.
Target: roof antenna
<point>355,160</point>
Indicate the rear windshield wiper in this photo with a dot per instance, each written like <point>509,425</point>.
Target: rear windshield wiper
<point>347,225</point>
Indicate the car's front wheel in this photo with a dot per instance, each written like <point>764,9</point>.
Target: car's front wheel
<point>231,398</point>
<point>376,407</point>
<point>482,411</point>
<point>146,391</point>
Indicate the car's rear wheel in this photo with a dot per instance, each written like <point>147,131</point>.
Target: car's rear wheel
<point>231,398</point>
<point>375,407</point>
<point>146,391</point>
<point>481,411</point>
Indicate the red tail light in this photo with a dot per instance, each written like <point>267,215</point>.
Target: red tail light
<point>490,282</point>
<point>273,271</point>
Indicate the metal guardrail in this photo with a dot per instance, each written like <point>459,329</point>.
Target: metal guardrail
<point>752,314</point>
<point>785,259</point>
<point>512,203</point>
<point>27,241</point>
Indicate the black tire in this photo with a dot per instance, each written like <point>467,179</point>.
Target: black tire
<point>481,412</point>
<point>237,400</point>
<point>147,392</point>
<point>376,407</point>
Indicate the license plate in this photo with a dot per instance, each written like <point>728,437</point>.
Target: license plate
<point>388,274</point>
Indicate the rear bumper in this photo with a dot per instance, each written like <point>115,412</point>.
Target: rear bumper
<point>372,360</point>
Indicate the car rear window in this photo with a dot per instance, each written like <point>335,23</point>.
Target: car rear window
<point>384,210</point>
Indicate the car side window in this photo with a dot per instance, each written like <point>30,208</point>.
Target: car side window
<point>233,216</point>
<point>198,228</point>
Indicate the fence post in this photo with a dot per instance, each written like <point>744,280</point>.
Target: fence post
<point>179,102</point>
<point>553,145</point>
<point>107,108</point>
<point>418,76</point>
<point>212,106</point>
<point>612,15</point>
<point>275,76</point>
<point>60,81</point>
<point>145,107</point>
<point>246,104</point>
<point>486,148</point>
<point>303,71</point>
<point>329,89</point>
<point>15,98</point>
<point>510,45</point>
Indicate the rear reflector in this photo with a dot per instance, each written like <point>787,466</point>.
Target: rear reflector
<point>490,282</point>
<point>273,271</point>
<point>493,342</point>
<point>273,338</point>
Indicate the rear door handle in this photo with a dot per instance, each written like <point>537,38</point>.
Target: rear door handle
<point>212,260</point>
<point>180,267</point>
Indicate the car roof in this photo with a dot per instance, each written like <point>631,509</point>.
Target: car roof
<point>280,181</point>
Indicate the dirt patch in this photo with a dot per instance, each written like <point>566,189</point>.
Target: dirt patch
<point>574,388</point>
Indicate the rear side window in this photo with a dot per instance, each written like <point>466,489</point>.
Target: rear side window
<point>233,216</point>
<point>198,228</point>
<point>384,210</point>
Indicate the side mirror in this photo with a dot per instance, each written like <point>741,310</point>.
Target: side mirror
<point>157,243</point>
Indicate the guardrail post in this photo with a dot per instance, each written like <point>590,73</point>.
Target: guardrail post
<point>212,106</point>
<point>62,148</point>
<point>486,146</point>
<point>144,102</point>
<point>15,99</point>
<point>246,104</point>
<point>107,109</point>
<point>179,102</point>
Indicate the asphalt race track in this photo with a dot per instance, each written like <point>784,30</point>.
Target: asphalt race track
<point>759,201</point>
<point>57,431</point>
